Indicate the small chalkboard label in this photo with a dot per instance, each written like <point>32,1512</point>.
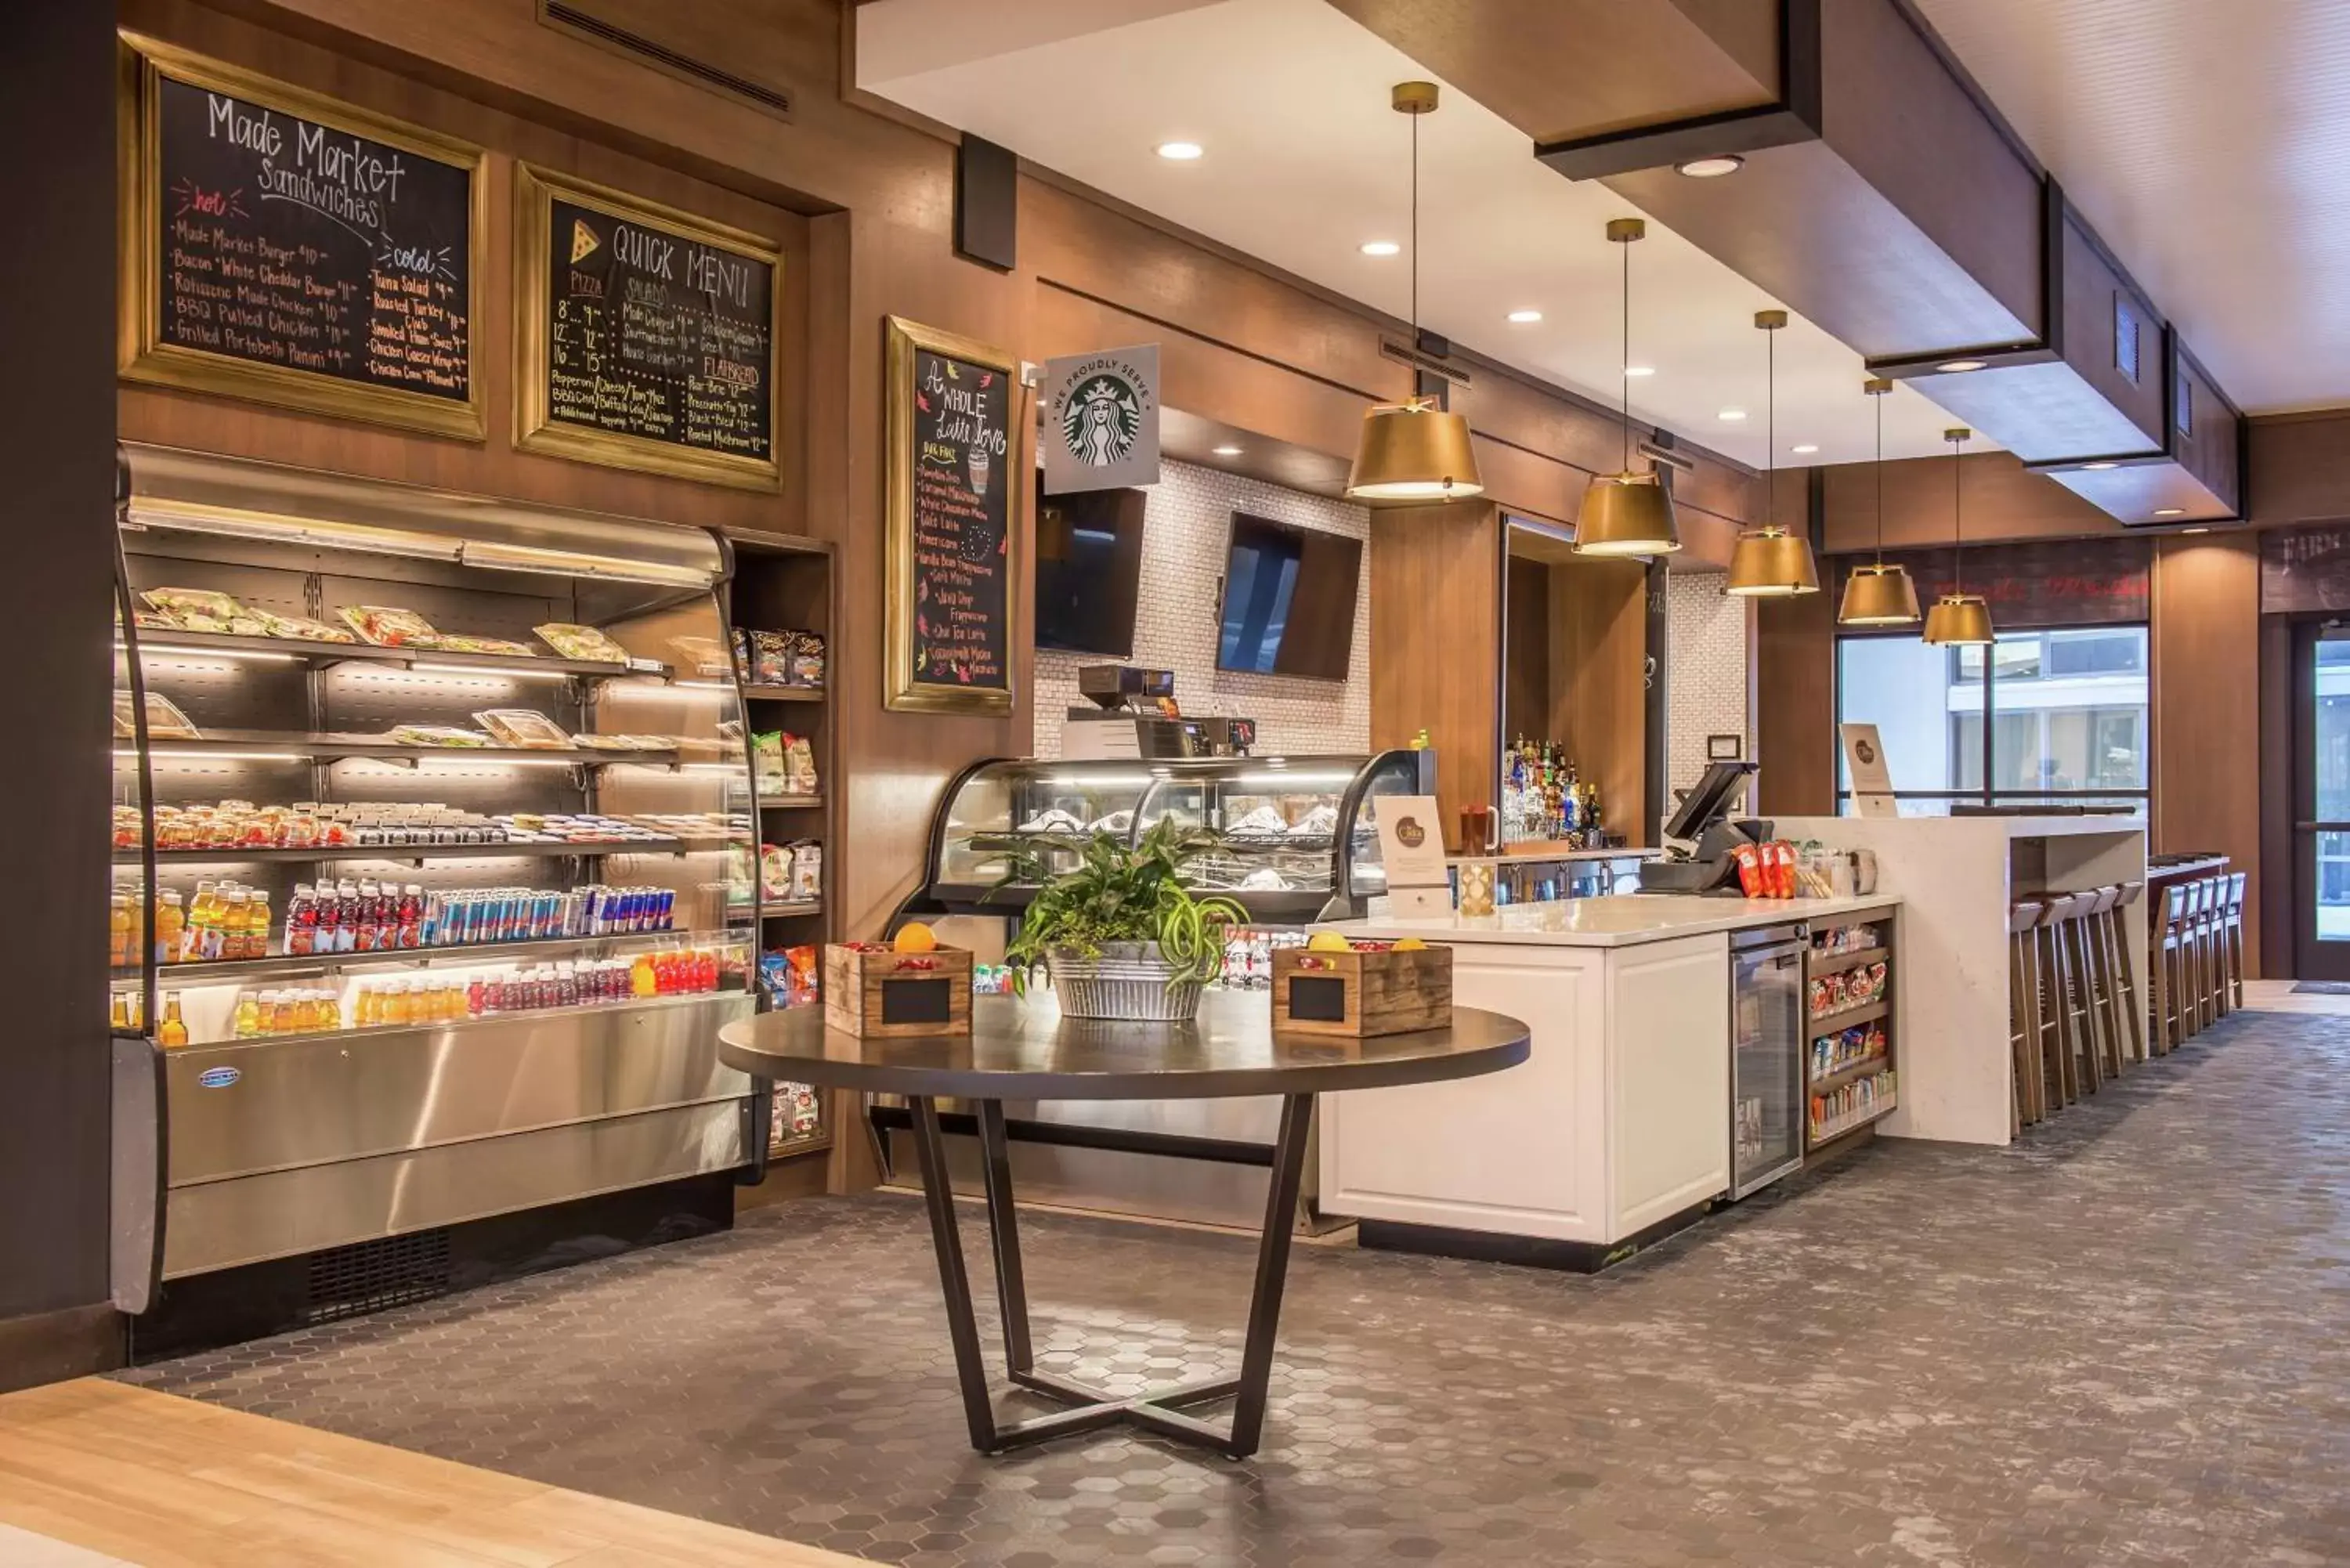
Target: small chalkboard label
<point>1317,1000</point>
<point>918,1001</point>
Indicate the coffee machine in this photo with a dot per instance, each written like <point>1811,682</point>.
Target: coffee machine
<point>1134,714</point>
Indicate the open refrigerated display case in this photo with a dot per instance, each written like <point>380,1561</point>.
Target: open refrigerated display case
<point>431,854</point>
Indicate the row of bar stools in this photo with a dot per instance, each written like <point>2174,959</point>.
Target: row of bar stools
<point>2075,1014</point>
<point>2198,952</point>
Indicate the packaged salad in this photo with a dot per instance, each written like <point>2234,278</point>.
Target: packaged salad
<point>389,626</point>
<point>576,641</point>
<point>522,727</point>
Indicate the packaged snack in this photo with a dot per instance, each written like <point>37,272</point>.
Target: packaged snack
<point>464,642</point>
<point>770,653</point>
<point>1782,864</point>
<point>741,641</point>
<point>575,641</point>
<point>195,609</point>
<point>702,656</point>
<point>807,668</point>
<point>164,719</point>
<point>775,871</point>
<point>1749,870</point>
<point>435,735</point>
<point>300,627</point>
<point>522,727</point>
<point>768,762</point>
<point>799,765</point>
<point>800,974</point>
<point>389,626</point>
<point>808,872</point>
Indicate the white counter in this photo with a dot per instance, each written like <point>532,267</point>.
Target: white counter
<point>1622,921</point>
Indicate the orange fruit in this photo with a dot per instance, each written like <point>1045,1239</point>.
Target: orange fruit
<point>916,938</point>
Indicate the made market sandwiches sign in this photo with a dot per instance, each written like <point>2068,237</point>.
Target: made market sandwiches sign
<point>1101,419</point>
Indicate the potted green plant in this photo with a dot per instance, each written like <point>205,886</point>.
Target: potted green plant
<point>1120,934</point>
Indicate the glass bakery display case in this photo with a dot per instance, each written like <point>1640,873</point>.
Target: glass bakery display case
<point>434,846</point>
<point>1297,837</point>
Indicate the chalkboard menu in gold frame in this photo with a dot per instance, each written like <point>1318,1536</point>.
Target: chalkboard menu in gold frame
<point>644,336</point>
<point>955,477</point>
<point>285,247</point>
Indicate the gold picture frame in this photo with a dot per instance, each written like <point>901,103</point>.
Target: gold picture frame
<point>141,354</point>
<point>536,427</point>
<point>906,692</point>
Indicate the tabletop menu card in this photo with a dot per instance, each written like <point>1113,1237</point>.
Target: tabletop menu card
<point>303,252</point>
<point>957,491</point>
<point>651,341</point>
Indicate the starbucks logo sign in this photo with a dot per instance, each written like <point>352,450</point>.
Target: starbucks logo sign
<point>1101,419</point>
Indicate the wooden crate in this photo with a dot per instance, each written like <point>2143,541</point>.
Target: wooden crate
<point>873,991</point>
<point>1361,992</point>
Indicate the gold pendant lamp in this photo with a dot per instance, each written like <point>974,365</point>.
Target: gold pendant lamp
<point>1415,450</point>
<point>1958,618</point>
<point>1877,594</point>
<point>1627,513</point>
<point>1769,563</point>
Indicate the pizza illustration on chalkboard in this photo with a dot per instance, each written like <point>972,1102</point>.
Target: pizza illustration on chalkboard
<point>583,241</point>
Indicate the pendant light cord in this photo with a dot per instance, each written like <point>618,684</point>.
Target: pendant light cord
<point>1958,516</point>
<point>1626,248</point>
<point>1414,237</point>
<point>1769,427</point>
<point>1879,401</point>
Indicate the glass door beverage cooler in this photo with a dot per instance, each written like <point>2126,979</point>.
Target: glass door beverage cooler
<point>433,862</point>
<point>1766,1056</point>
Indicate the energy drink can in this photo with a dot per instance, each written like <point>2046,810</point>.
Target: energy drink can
<point>665,909</point>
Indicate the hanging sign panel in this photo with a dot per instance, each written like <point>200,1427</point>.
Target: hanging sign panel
<point>645,336</point>
<point>951,545</point>
<point>285,247</point>
<point>1101,419</point>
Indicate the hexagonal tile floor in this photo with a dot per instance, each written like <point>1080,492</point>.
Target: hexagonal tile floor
<point>2127,1340</point>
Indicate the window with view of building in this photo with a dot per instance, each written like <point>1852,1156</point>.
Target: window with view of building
<point>2054,717</point>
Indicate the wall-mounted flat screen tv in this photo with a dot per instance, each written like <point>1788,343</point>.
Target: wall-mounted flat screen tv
<point>1289,600</point>
<point>1088,570</point>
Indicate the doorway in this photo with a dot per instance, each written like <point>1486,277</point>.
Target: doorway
<point>2321,805</point>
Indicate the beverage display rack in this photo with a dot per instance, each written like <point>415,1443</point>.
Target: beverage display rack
<point>1856,1094</point>
<point>272,1145</point>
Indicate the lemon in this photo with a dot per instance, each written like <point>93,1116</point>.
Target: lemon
<point>1411,945</point>
<point>1327,942</point>
<point>916,938</point>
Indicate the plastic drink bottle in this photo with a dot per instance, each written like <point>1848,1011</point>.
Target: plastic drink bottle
<point>173,1032</point>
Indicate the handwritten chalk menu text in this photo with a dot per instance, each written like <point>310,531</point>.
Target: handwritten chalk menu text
<point>962,509</point>
<point>337,265</point>
<point>652,329</point>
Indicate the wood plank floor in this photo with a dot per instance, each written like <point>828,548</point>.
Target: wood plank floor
<point>165,1482</point>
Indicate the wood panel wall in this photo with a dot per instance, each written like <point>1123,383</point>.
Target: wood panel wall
<point>1795,706</point>
<point>2207,727</point>
<point>1436,610</point>
<point>1598,655</point>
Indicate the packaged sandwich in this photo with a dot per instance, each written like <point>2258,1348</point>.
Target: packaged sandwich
<point>522,727</point>
<point>435,735</point>
<point>300,629</point>
<point>196,609</point>
<point>164,719</point>
<point>576,641</point>
<point>389,626</point>
<point>465,642</point>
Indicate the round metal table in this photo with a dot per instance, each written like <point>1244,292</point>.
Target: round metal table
<point>1027,1050</point>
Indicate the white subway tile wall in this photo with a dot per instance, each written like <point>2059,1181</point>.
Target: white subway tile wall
<point>1187,523</point>
<point>1706,673</point>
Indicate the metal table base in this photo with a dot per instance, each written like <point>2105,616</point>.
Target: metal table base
<point>1159,1410</point>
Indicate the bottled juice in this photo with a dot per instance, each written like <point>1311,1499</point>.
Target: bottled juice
<point>118,1017</point>
<point>191,937</point>
<point>301,922</point>
<point>255,935</point>
<point>326,919</point>
<point>409,921</point>
<point>121,944</point>
<point>395,1003</point>
<point>246,1024</point>
<point>173,1032</point>
<point>643,980</point>
<point>171,928</point>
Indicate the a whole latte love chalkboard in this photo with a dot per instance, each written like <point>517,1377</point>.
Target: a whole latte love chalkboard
<point>953,475</point>
<point>648,335</point>
<point>284,246</point>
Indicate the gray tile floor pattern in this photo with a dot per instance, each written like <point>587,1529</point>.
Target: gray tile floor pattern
<point>2126,1340</point>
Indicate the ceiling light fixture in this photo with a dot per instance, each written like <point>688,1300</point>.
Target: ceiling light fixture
<point>2170,512</point>
<point>1524,317</point>
<point>1381,248</point>
<point>1416,449</point>
<point>1627,513</point>
<point>1733,415</point>
<point>1877,594</point>
<point>1958,618</point>
<point>1712,168</point>
<point>1958,367</point>
<point>2183,532</point>
<point>1640,369</point>
<point>1805,449</point>
<point>1770,562</point>
<point>1227,452</point>
<point>2099,466</point>
<point>1180,152</point>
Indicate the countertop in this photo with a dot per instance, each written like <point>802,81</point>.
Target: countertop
<point>1621,921</point>
<point>1830,829</point>
<point>1550,856</point>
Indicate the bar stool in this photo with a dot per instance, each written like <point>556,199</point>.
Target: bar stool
<point>2058,987</point>
<point>2170,997</point>
<point>2125,981</point>
<point>2027,1019</point>
<point>2100,988</point>
<point>2231,932</point>
<point>2208,969</point>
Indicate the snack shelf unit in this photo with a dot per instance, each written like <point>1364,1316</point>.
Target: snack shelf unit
<point>1826,1129</point>
<point>787,582</point>
<point>378,1141</point>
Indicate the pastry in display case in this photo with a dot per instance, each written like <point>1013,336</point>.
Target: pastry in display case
<point>431,863</point>
<point>1297,837</point>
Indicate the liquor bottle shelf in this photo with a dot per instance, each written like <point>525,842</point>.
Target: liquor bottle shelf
<point>164,642</point>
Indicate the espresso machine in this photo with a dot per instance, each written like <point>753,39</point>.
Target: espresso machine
<point>1134,714</point>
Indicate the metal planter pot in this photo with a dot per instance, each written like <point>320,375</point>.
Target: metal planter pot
<point>1125,981</point>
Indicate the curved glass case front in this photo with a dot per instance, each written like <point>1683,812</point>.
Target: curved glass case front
<point>1297,837</point>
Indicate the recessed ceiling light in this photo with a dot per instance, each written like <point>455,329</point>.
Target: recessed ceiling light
<point>1227,452</point>
<point>1958,367</point>
<point>2099,467</point>
<point>1640,369</point>
<point>1805,449</point>
<point>1523,316</point>
<point>1711,168</point>
<point>2170,512</point>
<point>2198,530</point>
<point>1381,248</point>
<point>1180,152</point>
<point>1733,415</point>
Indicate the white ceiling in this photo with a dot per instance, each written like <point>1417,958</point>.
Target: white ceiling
<point>2207,142</point>
<point>1306,160</point>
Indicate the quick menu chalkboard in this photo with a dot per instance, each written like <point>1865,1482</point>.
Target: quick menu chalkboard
<point>646,335</point>
<point>282,246</point>
<point>953,475</point>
